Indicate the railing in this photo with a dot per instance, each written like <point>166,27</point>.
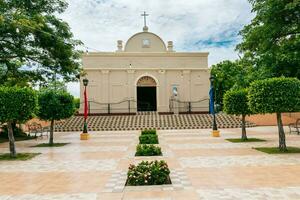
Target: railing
<point>189,106</point>
<point>126,106</point>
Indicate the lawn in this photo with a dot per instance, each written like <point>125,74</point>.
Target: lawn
<point>20,156</point>
<point>275,150</point>
<point>239,140</point>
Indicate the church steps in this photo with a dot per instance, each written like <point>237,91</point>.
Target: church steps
<point>153,120</point>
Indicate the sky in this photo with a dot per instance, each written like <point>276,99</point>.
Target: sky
<point>193,25</point>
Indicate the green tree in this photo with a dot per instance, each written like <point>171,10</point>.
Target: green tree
<point>16,105</point>
<point>236,103</point>
<point>229,74</point>
<point>35,44</point>
<point>275,95</point>
<point>55,105</point>
<point>272,40</point>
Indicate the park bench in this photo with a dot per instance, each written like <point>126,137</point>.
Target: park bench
<point>37,130</point>
<point>295,127</point>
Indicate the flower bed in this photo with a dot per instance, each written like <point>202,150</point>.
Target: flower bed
<point>150,131</point>
<point>147,150</point>
<point>148,173</point>
<point>148,139</point>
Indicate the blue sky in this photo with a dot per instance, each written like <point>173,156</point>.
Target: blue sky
<point>193,25</point>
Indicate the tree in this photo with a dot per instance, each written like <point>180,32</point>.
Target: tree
<point>272,40</point>
<point>275,95</point>
<point>236,103</point>
<point>16,105</point>
<point>55,105</point>
<point>35,44</point>
<point>228,74</point>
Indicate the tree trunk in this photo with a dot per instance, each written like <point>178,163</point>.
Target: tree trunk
<point>12,147</point>
<point>51,132</point>
<point>282,144</point>
<point>244,134</point>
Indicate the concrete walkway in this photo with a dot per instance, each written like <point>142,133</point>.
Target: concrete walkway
<point>201,167</point>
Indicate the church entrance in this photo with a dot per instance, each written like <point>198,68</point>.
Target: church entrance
<point>146,94</point>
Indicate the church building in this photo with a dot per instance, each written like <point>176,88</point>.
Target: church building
<point>146,74</point>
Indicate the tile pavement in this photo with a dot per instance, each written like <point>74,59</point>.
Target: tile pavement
<point>201,167</point>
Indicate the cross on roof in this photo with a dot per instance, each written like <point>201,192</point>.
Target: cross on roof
<point>145,15</point>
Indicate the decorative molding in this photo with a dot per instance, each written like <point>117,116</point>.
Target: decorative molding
<point>130,71</point>
<point>104,71</point>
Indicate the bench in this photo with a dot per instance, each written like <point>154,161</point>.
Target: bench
<point>295,127</point>
<point>36,130</point>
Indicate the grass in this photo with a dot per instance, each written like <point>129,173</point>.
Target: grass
<point>239,140</point>
<point>53,145</point>
<point>275,150</point>
<point>20,156</point>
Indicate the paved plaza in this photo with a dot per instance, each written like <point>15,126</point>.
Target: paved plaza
<point>201,167</point>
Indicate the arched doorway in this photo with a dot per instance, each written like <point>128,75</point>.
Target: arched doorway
<point>146,94</point>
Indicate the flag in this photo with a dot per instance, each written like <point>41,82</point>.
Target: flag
<point>211,100</point>
<point>85,105</point>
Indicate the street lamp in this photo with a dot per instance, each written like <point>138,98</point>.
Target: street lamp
<point>215,131</point>
<point>85,135</point>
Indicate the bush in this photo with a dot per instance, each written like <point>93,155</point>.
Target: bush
<point>275,95</point>
<point>55,105</point>
<point>16,105</point>
<point>148,150</point>
<point>148,139</point>
<point>148,173</point>
<point>150,131</point>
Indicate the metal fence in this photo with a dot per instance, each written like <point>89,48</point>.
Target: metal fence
<point>189,106</point>
<point>126,106</point>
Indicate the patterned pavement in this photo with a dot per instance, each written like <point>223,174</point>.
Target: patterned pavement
<point>201,167</point>
<point>137,122</point>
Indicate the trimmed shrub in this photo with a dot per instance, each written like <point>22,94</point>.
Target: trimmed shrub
<point>150,131</point>
<point>148,173</point>
<point>16,105</point>
<point>147,150</point>
<point>148,139</point>
<point>236,103</point>
<point>55,105</point>
<point>275,95</point>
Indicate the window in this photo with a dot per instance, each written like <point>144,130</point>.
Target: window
<point>146,43</point>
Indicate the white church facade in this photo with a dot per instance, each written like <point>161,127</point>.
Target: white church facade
<point>146,74</point>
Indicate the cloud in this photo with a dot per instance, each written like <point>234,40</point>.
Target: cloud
<point>193,25</point>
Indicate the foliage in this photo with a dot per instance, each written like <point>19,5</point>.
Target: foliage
<point>229,74</point>
<point>35,44</point>
<point>148,173</point>
<point>148,139</point>
<point>236,102</point>
<point>272,40</point>
<point>275,95</point>
<point>148,150</point>
<point>238,140</point>
<point>77,103</point>
<point>20,156</point>
<point>51,145</point>
<point>150,131</point>
<point>273,150</point>
<point>55,105</point>
<point>16,104</point>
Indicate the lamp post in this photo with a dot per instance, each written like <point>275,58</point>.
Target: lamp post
<point>215,131</point>
<point>85,135</point>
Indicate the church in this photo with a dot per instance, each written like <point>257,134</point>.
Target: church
<point>146,74</point>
